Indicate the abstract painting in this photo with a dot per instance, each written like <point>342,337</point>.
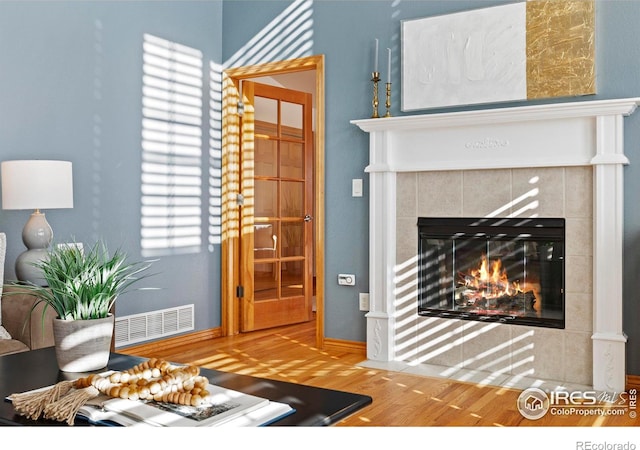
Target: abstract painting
<point>520,51</point>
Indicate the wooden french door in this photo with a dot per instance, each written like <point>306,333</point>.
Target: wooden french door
<point>276,223</point>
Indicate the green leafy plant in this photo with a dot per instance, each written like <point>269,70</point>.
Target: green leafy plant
<point>85,284</point>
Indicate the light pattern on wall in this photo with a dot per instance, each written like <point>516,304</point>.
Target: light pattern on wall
<point>171,148</point>
<point>215,155</point>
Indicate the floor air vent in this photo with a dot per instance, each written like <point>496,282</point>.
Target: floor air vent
<point>153,325</point>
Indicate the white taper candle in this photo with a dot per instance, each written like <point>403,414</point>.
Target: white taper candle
<point>375,58</point>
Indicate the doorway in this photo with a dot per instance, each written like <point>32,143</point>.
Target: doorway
<point>240,217</point>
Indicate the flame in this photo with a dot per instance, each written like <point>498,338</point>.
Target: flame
<point>491,279</point>
<point>488,289</point>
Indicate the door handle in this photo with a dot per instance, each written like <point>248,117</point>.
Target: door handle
<point>308,218</point>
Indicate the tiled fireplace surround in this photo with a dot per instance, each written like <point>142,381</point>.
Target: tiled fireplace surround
<point>557,160</point>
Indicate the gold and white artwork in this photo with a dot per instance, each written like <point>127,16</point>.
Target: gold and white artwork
<point>520,51</point>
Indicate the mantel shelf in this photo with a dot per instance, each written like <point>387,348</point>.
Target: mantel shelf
<point>551,111</point>
<point>549,135</point>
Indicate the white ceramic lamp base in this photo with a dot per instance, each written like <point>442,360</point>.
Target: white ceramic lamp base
<point>37,236</point>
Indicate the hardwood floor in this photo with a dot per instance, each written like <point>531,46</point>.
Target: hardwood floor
<point>399,399</point>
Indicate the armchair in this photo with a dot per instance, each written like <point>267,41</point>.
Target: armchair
<point>26,328</point>
<point>21,329</point>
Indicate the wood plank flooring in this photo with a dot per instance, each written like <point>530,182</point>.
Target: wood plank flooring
<point>399,399</point>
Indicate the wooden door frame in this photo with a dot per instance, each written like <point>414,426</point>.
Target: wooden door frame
<point>231,189</point>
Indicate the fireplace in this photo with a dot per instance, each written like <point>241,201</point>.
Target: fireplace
<point>492,270</point>
<point>561,160</point>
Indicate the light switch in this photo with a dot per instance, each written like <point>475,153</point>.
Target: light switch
<point>363,298</point>
<point>356,187</point>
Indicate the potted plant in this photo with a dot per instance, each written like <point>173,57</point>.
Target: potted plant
<point>82,286</point>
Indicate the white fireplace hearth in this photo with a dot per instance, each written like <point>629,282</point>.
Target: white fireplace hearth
<point>555,160</point>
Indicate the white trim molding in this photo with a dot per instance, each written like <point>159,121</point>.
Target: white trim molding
<point>586,133</point>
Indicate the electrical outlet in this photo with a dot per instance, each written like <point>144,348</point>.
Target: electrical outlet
<point>364,301</point>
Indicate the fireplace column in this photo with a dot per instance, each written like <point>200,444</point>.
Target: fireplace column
<point>382,250</point>
<point>609,371</point>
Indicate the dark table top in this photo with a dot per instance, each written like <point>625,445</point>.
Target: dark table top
<point>314,406</point>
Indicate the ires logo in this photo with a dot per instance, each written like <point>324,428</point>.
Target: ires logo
<point>534,403</point>
<point>564,398</point>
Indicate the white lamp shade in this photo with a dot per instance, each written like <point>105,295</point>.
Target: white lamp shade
<point>37,184</point>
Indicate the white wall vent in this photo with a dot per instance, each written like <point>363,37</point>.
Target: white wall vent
<point>153,325</point>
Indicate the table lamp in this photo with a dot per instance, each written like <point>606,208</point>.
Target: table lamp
<point>35,184</point>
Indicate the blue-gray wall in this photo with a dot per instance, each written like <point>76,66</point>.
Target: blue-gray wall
<point>71,88</point>
<point>57,58</point>
<point>344,31</point>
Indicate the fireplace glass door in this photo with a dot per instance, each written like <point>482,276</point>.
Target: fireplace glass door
<point>506,270</point>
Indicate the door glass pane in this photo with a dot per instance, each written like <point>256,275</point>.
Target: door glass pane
<point>292,279</point>
<point>266,198</point>
<point>265,240</point>
<point>266,158</point>
<point>266,116</point>
<point>292,239</point>
<point>292,160</point>
<point>292,199</point>
<point>265,276</point>
<point>291,120</point>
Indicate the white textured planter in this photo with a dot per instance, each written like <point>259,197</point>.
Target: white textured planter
<point>83,345</point>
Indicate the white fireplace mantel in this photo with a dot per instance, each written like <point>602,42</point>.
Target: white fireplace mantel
<point>586,133</point>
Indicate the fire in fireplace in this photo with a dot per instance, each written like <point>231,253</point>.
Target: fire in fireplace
<point>497,269</point>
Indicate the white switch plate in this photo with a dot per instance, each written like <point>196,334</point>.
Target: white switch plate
<point>346,279</point>
<point>364,301</point>
<point>356,187</point>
